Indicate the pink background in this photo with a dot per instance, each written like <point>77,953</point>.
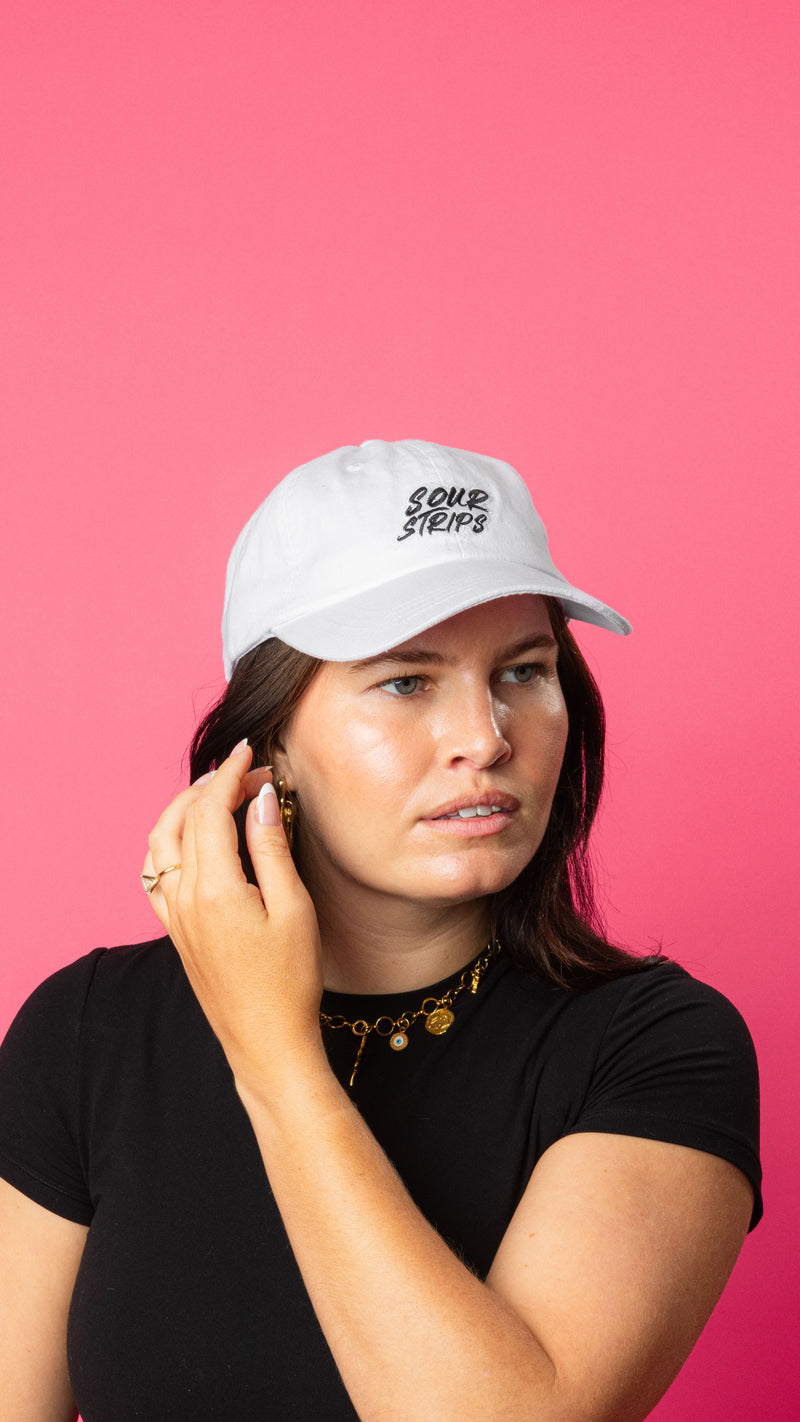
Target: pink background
<point>237,235</point>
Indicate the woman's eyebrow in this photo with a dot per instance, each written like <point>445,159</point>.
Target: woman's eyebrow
<point>422,656</point>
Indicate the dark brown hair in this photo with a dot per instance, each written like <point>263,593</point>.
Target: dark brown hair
<point>547,919</point>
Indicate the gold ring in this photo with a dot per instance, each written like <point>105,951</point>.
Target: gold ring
<point>149,881</point>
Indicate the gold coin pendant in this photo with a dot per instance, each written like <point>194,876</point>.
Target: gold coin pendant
<point>439,1020</point>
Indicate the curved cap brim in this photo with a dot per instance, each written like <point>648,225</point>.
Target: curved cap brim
<point>383,617</point>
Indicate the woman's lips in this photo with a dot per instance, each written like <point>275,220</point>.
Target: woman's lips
<point>475,799</point>
<point>473,827</point>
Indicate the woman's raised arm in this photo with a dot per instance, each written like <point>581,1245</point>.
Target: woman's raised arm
<point>608,1272</point>
<point>39,1257</point>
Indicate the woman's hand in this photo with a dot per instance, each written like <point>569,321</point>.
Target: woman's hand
<point>252,955</point>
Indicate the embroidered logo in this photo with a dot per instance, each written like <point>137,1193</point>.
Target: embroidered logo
<point>442,510</point>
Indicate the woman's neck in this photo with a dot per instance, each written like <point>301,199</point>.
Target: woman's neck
<point>375,943</point>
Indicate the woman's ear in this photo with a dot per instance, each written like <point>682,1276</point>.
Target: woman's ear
<point>281,769</point>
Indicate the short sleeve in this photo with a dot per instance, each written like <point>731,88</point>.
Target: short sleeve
<point>677,1063</point>
<point>40,1152</point>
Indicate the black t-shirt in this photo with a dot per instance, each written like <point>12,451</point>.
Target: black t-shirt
<point>118,1110</point>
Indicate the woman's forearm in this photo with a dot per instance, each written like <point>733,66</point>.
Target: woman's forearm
<point>415,1335</point>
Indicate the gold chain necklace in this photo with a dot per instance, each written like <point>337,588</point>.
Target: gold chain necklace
<point>436,1011</point>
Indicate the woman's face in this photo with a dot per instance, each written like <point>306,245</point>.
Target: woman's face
<point>384,753</point>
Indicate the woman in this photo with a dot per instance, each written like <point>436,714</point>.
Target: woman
<point>251,1177</point>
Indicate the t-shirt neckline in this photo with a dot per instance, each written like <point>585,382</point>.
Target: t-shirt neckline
<point>359,1005</point>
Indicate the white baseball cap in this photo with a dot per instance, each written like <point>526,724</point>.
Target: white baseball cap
<point>365,547</point>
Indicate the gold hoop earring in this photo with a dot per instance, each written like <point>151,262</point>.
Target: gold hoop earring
<point>287,802</point>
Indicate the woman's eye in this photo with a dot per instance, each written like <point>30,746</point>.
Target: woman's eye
<point>521,674</point>
<point>402,685</point>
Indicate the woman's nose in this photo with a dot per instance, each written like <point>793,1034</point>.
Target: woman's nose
<point>473,731</point>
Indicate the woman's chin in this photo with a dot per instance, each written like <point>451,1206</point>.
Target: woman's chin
<point>465,883</point>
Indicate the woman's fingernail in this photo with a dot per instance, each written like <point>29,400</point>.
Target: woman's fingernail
<point>268,810</point>
<point>242,746</point>
<point>203,779</point>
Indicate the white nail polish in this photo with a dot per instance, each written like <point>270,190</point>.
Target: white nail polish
<point>267,809</point>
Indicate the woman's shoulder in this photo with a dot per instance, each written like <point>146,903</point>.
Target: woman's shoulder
<point>653,1044</point>
<point>87,1023</point>
<point>107,975</point>
<point>135,966</point>
<point>669,1057</point>
<point>664,999</point>
<point>654,1052</point>
<point>658,990</point>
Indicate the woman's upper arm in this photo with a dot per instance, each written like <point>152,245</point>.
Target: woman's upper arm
<point>615,1258</point>
<point>39,1257</point>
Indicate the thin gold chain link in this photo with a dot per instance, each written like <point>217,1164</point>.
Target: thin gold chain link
<point>439,1013</point>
